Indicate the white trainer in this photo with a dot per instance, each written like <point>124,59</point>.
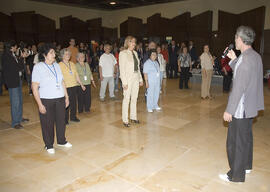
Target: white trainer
<point>248,171</point>
<point>150,110</point>
<point>158,109</point>
<point>50,151</point>
<point>224,177</point>
<point>67,145</point>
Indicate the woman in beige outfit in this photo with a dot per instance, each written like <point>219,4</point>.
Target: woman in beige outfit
<point>207,72</point>
<point>130,75</point>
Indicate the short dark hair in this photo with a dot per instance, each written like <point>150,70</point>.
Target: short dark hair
<point>44,50</point>
<point>152,51</point>
<point>8,45</point>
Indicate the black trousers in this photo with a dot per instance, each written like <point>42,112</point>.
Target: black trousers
<point>227,80</point>
<point>239,148</point>
<point>72,108</point>
<point>55,114</point>
<point>184,77</point>
<point>172,70</point>
<point>84,99</point>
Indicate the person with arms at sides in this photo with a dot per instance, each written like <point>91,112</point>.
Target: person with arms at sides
<point>107,70</point>
<point>73,50</point>
<point>245,100</point>
<point>29,66</point>
<point>86,77</point>
<point>164,52</point>
<point>12,73</point>
<point>162,66</point>
<point>227,74</point>
<point>207,63</point>
<point>193,54</point>
<point>184,67</point>
<point>151,73</point>
<point>131,80</point>
<point>51,96</point>
<point>71,79</point>
<point>146,56</point>
<point>173,55</point>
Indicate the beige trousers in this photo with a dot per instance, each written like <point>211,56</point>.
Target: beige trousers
<point>206,83</point>
<point>130,96</point>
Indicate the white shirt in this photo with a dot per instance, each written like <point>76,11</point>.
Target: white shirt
<point>107,62</point>
<point>239,113</point>
<point>162,62</point>
<point>50,80</point>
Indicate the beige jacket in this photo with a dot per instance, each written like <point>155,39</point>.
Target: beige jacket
<point>126,65</point>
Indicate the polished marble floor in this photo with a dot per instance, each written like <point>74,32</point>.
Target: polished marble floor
<point>180,149</point>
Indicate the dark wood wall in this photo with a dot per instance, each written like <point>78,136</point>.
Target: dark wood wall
<point>266,52</point>
<point>6,29</point>
<point>132,26</point>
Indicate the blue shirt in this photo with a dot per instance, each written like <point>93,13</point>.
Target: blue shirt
<point>151,68</point>
<point>50,83</point>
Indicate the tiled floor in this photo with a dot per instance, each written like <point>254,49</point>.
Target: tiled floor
<point>180,149</point>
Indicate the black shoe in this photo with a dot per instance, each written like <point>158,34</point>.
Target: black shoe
<point>75,120</point>
<point>18,126</point>
<point>67,123</point>
<point>24,120</point>
<point>126,124</point>
<point>135,121</point>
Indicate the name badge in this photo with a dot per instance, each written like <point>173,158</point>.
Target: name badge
<point>70,72</point>
<point>85,78</point>
<point>20,73</point>
<point>157,74</point>
<point>57,86</point>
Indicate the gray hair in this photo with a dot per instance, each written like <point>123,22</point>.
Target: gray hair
<point>247,34</point>
<point>62,52</point>
<point>78,55</point>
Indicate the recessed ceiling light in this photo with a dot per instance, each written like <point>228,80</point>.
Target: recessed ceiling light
<point>112,2</point>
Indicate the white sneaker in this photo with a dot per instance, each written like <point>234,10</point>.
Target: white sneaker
<point>50,151</point>
<point>224,177</point>
<point>150,110</point>
<point>248,171</point>
<point>158,109</point>
<point>67,145</point>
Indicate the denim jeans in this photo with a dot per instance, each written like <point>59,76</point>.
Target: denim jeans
<point>16,102</point>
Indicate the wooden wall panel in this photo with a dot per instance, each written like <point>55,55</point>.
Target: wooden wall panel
<point>255,19</point>
<point>200,29</point>
<point>25,29</point>
<point>179,27</point>
<point>80,30</point>
<point>132,26</point>
<point>6,28</point>
<point>153,25</point>
<point>45,28</point>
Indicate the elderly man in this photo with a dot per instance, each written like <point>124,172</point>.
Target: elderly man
<point>246,99</point>
<point>107,69</point>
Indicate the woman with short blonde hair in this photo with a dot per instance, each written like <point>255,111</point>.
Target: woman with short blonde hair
<point>131,79</point>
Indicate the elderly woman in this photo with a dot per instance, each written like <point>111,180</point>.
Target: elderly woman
<point>51,96</point>
<point>86,77</point>
<point>151,71</point>
<point>131,79</point>
<point>207,72</point>
<point>184,67</point>
<point>72,80</point>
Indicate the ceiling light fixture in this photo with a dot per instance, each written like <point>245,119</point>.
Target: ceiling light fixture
<point>112,3</point>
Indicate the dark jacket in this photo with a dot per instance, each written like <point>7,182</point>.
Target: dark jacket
<point>248,80</point>
<point>11,70</point>
<point>173,55</point>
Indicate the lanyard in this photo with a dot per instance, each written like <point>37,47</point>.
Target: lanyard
<point>155,65</point>
<point>68,66</point>
<point>54,73</point>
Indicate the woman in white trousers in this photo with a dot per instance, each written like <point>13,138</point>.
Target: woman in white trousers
<point>131,78</point>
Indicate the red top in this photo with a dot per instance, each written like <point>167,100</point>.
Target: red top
<point>165,54</point>
<point>225,64</point>
<point>117,57</point>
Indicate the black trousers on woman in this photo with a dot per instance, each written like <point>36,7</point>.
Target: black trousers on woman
<point>84,99</point>
<point>239,148</point>
<point>55,114</point>
<point>184,77</point>
<point>72,108</point>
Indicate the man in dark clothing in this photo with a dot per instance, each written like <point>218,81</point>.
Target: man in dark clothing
<point>173,57</point>
<point>193,54</point>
